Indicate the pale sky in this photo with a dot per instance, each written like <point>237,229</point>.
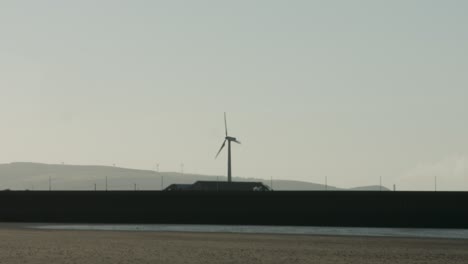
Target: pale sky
<point>351,90</point>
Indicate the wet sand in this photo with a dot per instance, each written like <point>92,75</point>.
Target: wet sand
<point>20,245</point>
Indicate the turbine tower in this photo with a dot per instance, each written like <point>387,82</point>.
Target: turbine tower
<point>229,140</point>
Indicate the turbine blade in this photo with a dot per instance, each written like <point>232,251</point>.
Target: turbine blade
<point>225,123</point>
<point>237,141</point>
<point>222,146</point>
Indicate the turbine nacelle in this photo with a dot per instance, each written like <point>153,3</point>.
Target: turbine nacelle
<point>232,139</point>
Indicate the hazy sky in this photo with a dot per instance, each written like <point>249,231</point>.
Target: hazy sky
<point>352,90</point>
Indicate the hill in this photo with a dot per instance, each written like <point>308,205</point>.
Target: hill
<point>370,188</point>
<point>35,176</point>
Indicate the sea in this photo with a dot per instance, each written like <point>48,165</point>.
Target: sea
<point>278,230</point>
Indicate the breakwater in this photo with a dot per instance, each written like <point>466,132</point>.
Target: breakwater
<point>309,208</point>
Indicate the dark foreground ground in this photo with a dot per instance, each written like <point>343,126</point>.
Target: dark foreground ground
<point>19,245</point>
<point>309,208</point>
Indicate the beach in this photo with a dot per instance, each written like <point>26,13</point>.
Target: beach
<point>23,245</point>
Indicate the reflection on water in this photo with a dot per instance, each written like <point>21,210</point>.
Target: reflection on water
<point>296,230</point>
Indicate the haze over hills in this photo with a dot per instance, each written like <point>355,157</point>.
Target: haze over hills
<point>35,176</point>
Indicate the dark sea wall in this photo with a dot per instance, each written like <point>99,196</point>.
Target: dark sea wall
<point>314,208</point>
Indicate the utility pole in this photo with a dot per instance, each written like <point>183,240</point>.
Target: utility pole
<point>157,171</point>
<point>162,182</point>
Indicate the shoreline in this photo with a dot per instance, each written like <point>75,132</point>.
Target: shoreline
<point>418,233</point>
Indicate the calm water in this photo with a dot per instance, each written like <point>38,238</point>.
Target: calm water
<point>295,230</point>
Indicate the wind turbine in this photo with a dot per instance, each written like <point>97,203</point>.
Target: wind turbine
<point>229,140</point>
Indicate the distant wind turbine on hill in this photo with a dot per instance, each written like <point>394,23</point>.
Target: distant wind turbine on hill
<point>228,139</point>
